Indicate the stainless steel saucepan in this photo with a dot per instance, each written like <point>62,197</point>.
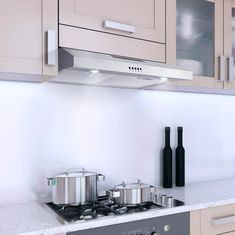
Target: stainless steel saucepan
<point>132,192</point>
<point>75,187</point>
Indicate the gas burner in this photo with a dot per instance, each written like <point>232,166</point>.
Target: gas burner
<point>104,206</point>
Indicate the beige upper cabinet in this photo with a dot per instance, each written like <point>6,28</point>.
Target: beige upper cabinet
<point>199,45</point>
<point>229,45</point>
<point>24,40</point>
<point>129,28</point>
<point>142,19</point>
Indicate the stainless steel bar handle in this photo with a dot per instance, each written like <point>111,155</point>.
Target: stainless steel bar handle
<point>113,193</point>
<point>119,26</point>
<point>76,170</point>
<point>131,181</point>
<point>230,68</point>
<point>51,47</point>
<point>222,69</point>
<point>224,220</point>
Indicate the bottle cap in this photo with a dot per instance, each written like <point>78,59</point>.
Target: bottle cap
<point>167,128</point>
<point>180,128</point>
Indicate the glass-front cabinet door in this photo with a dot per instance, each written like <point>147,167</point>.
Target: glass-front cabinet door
<point>199,46</point>
<point>229,43</point>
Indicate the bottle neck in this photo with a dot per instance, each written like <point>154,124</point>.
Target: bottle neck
<point>167,138</point>
<point>180,138</point>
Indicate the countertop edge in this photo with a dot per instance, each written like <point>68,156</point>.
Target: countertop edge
<point>112,220</point>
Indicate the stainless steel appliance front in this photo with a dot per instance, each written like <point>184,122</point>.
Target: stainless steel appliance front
<point>177,224</point>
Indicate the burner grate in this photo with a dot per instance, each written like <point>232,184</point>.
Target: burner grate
<point>104,206</point>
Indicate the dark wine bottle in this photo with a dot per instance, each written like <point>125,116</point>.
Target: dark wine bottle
<point>167,160</point>
<point>180,160</point>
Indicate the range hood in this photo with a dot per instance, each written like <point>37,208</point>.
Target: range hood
<point>88,68</point>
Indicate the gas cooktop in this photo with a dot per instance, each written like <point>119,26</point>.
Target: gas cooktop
<point>106,206</point>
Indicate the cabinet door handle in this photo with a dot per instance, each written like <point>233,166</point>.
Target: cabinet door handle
<point>51,47</point>
<point>230,68</point>
<point>224,220</point>
<point>119,26</point>
<point>221,68</point>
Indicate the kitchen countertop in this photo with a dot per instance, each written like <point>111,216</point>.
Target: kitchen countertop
<point>35,219</point>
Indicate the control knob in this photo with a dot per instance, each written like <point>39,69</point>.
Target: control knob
<point>167,228</point>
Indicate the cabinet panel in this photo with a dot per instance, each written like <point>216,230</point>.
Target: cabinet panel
<point>146,17</point>
<point>218,220</point>
<point>50,23</point>
<point>88,40</point>
<point>229,43</point>
<point>195,222</point>
<point>24,40</point>
<point>21,40</point>
<point>200,41</point>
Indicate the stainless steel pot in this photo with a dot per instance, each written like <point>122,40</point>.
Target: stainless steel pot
<point>75,187</point>
<point>132,193</point>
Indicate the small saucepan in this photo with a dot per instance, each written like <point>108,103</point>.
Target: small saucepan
<point>132,192</point>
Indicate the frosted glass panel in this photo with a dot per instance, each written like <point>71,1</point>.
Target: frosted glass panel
<point>195,36</point>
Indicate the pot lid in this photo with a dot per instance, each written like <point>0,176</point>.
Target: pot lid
<point>81,172</point>
<point>134,184</point>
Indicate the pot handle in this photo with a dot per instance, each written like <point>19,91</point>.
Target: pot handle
<point>100,177</point>
<point>113,193</point>
<point>74,170</point>
<point>51,182</point>
<point>131,181</point>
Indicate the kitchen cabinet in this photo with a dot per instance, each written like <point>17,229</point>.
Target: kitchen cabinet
<point>229,45</point>
<point>218,220</point>
<point>199,42</point>
<point>205,44</point>
<point>195,222</point>
<point>130,28</point>
<point>28,37</point>
<point>139,19</point>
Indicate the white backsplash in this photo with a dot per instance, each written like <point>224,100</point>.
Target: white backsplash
<point>47,128</point>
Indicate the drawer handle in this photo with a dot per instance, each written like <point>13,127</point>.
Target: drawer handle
<point>222,69</point>
<point>230,68</point>
<point>51,47</point>
<point>119,26</point>
<point>224,220</point>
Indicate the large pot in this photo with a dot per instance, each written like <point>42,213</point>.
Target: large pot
<point>132,193</point>
<point>75,187</point>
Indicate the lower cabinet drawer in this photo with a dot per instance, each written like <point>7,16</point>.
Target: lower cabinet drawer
<point>218,220</point>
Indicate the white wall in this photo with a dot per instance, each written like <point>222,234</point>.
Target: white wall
<point>47,128</point>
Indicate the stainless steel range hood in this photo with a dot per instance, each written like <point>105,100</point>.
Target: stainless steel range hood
<point>88,68</point>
